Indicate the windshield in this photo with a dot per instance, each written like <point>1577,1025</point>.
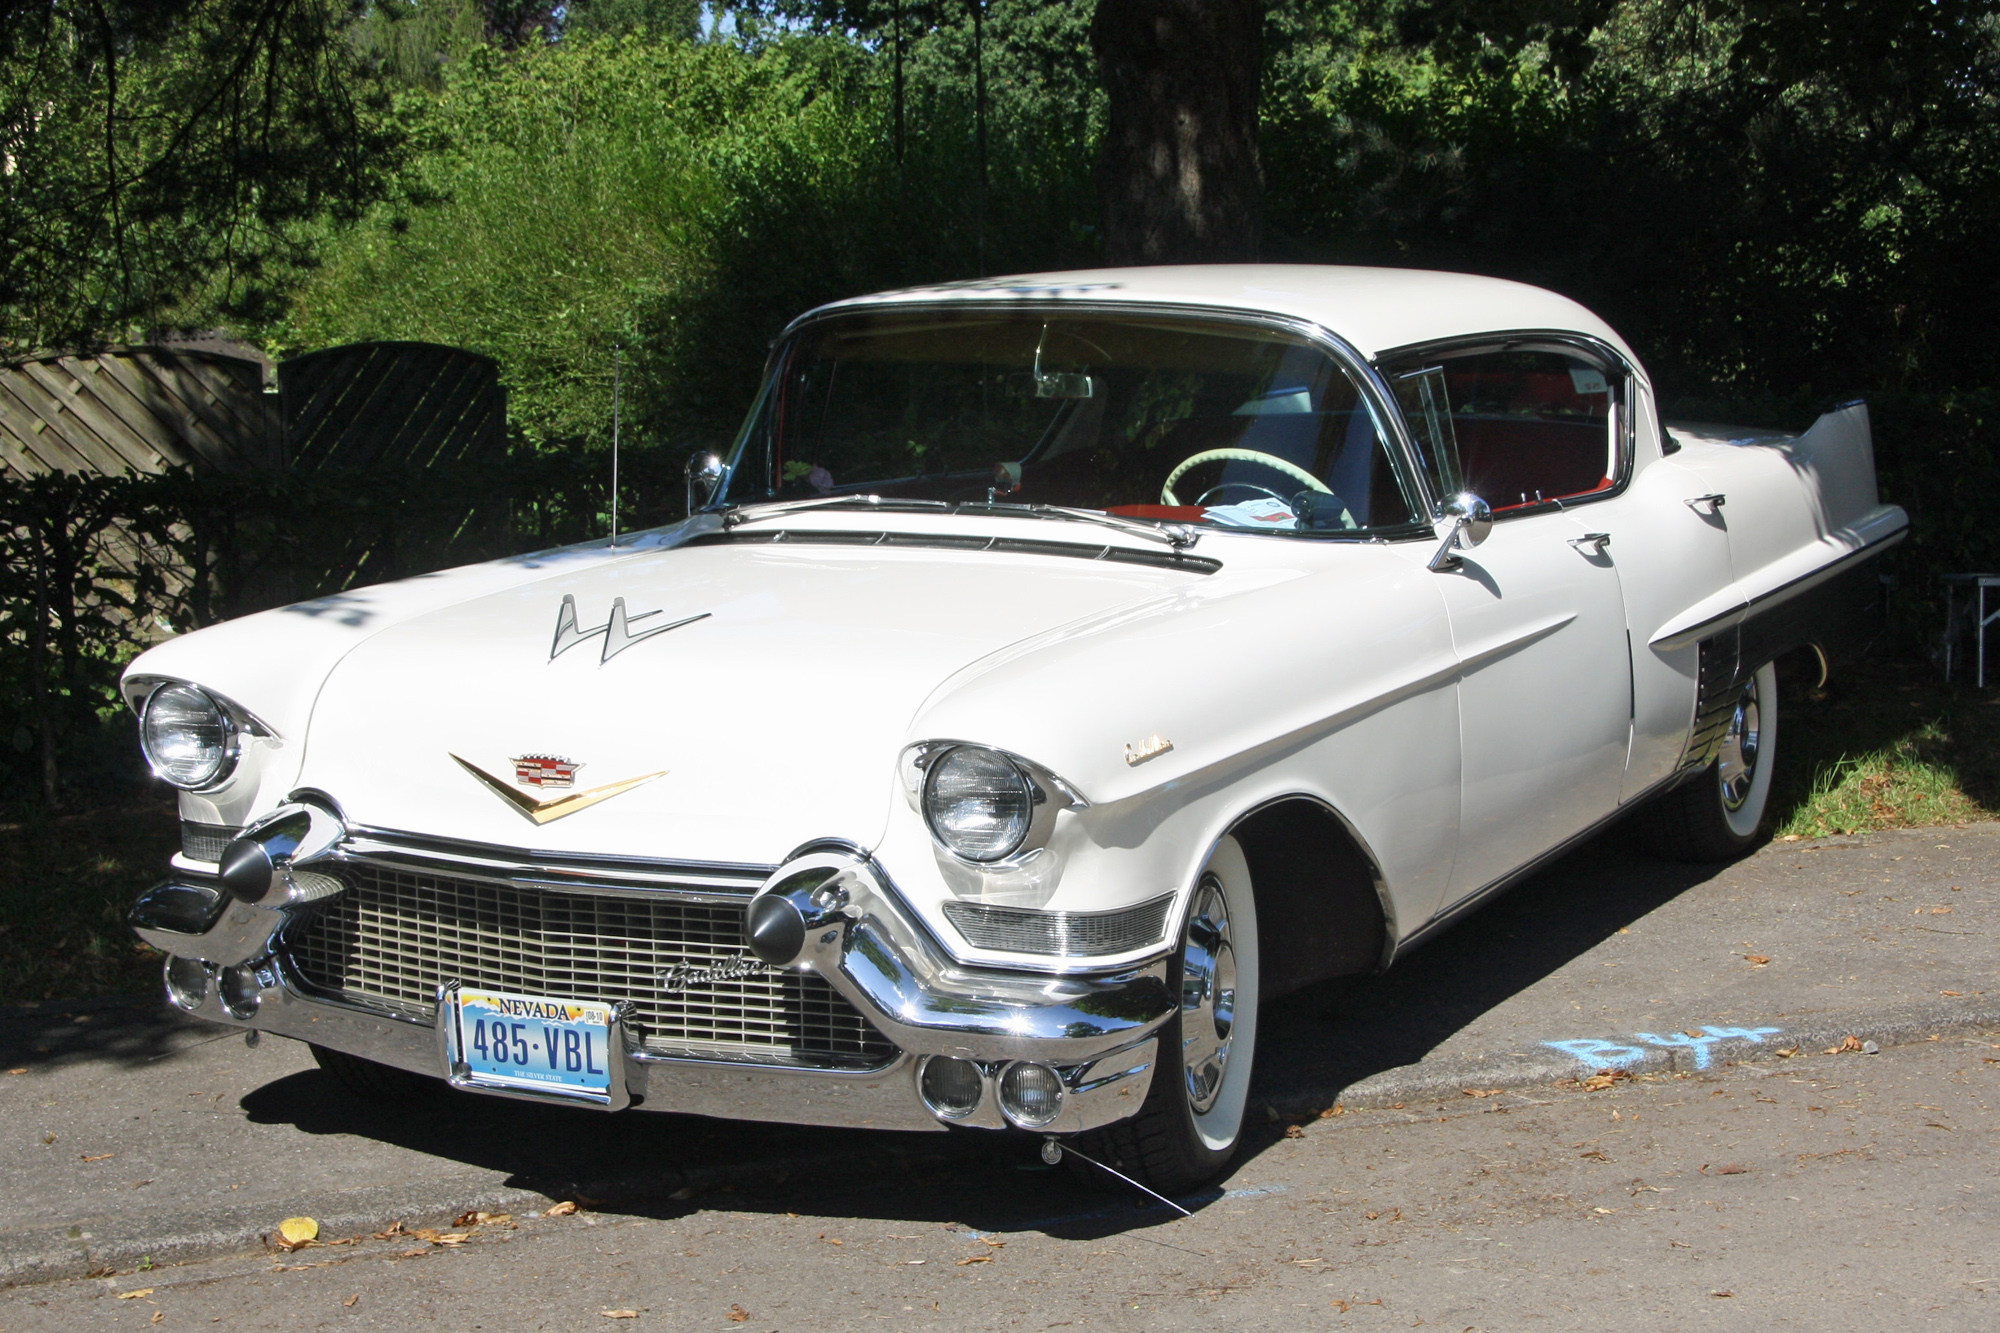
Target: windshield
<point>1144,416</point>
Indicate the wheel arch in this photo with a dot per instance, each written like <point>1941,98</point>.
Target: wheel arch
<point>1323,909</point>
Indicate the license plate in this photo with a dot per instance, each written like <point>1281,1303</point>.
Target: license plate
<point>535,1043</point>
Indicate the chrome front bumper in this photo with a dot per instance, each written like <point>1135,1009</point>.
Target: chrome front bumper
<point>1098,1030</point>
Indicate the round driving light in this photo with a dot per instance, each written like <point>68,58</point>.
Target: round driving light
<point>1031,1095</point>
<point>187,983</point>
<point>186,737</point>
<point>951,1088</point>
<point>977,803</point>
<point>238,988</point>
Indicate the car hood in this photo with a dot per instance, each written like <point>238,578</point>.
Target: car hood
<point>771,720</point>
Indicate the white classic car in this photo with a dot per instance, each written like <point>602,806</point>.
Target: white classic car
<point>1053,670</point>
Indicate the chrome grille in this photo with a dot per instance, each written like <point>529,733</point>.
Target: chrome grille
<point>397,934</point>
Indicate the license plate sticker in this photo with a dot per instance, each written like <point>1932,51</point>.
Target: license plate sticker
<point>533,1041</point>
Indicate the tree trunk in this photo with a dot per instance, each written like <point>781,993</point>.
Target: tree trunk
<point>1179,172</point>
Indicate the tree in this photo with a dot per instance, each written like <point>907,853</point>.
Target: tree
<point>1179,170</point>
<point>158,157</point>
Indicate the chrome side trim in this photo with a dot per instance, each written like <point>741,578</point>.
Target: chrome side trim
<point>1683,636</point>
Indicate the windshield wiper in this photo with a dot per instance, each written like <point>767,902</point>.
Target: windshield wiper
<point>1177,535</point>
<point>1180,536</point>
<point>751,513</point>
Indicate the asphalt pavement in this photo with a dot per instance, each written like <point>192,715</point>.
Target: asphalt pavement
<point>131,1140</point>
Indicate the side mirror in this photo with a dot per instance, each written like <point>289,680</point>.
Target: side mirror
<point>704,476</point>
<point>1463,522</point>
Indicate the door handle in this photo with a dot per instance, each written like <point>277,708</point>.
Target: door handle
<point>1713,501</point>
<point>1596,540</point>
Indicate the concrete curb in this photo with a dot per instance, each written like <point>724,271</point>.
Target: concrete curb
<point>49,1254</point>
<point>46,1254</point>
<point>1446,1080</point>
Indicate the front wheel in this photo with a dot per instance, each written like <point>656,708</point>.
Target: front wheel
<point>1192,1121</point>
<point>1716,816</point>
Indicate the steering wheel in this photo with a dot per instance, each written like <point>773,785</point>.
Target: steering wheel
<point>1292,470</point>
<point>1240,485</point>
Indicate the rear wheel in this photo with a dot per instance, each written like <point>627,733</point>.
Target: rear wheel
<point>1192,1121</point>
<point>372,1081</point>
<point>1716,816</point>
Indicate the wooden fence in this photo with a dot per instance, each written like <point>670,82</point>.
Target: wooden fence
<point>145,409</point>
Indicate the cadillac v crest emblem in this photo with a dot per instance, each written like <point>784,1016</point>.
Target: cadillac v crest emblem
<point>557,773</point>
<point>617,633</point>
<point>544,770</point>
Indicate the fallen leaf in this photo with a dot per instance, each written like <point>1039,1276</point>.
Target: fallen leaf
<point>830,1240</point>
<point>1342,1306</point>
<point>1848,1043</point>
<point>395,1229</point>
<point>1953,993</point>
<point>1605,1211</point>
<point>48,1138</point>
<point>1295,1131</point>
<point>994,1241</point>
<point>563,1209</point>
<point>101,1157</point>
<point>158,1315</point>
<point>1721,1293</point>
<point>349,1302</point>
<point>1603,1079</point>
<point>21,1070</point>
<point>914,1262</point>
<point>1372,1216</point>
<point>1335,1109</point>
<point>738,1315</point>
<point>1787,1052</point>
<point>1597,1153</point>
<point>1939,911</point>
<point>1482,1092</point>
<point>452,1238</point>
<point>976,1259</point>
<point>294,1232</point>
<point>1755,960</point>
<point>411,1254</point>
<point>634,1314</point>
<point>135,1294</point>
<point>1726,1169</point>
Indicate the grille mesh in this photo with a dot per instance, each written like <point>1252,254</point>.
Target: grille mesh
<point>204,842</point>
<point>398,934</point>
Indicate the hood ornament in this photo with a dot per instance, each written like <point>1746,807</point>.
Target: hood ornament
<point>543,811</point>
<point>617,637</point>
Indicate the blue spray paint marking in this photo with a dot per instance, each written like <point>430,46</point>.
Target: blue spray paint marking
<point>1600,1054</point>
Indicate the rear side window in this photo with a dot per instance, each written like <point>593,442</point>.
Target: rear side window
<point>1516,427</point>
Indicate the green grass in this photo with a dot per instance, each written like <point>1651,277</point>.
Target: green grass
<point>66,882</point>
<point>1887,745</point>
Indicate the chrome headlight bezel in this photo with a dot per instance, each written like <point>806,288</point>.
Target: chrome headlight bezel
<point>227,753</point>
<point>1047,796</point>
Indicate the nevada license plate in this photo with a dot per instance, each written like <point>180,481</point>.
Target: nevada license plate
<point>532,1042</point>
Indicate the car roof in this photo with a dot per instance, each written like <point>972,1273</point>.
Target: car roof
<point>1374,309</point>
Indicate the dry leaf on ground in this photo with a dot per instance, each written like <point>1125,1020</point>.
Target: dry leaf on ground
<point>135,1295</point>
<point>1848,1043</point>
<point>101,1157</point>
<point>994,1241</point>
<point>976,1259</point>
<point>295,1232</point>
<point>1482,1092</point>
<point>158,1315</point>
<point>350,1301</point>
<point>1603,1079</point>
<point>626,1314</point>
<point>1755,960</point>
<point>1726,1169</point>
<point>563,1209</point>
<point>21,1070</point>
<point>738,1315</point>
<point>1295,1131</point>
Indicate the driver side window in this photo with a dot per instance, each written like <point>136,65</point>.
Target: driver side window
<point>1517,427</point>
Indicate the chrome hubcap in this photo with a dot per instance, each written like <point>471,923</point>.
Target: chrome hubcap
<point>1208,995</point>
<point>1737,762</point>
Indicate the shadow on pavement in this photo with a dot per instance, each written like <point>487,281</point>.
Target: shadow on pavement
<point>1320,1040</point>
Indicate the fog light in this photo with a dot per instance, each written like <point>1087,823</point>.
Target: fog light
<point>238,988</point>
<point>951,1088</point>
<point>1031,1096</point>
<point>187,983</point>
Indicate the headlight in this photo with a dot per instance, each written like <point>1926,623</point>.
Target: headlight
<point>188,738</point>
<point>977,803</point>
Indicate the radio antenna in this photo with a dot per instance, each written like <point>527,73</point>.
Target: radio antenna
<point>617,364</point>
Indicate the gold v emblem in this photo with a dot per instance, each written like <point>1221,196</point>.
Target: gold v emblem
<point>543,811</point>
